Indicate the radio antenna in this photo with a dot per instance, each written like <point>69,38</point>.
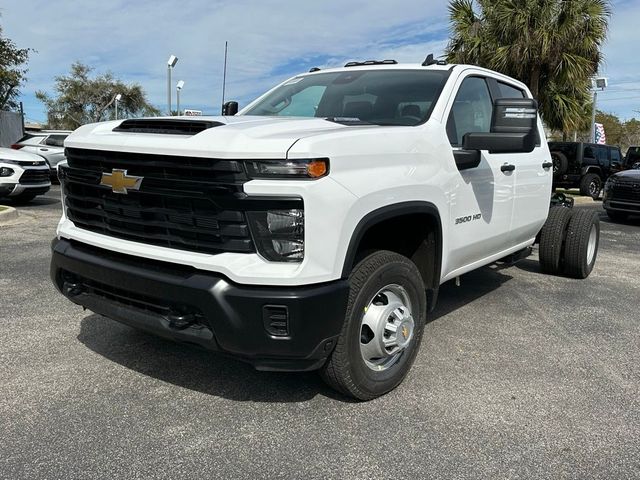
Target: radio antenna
<point>224,74</point>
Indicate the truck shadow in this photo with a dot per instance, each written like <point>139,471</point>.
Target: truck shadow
<point>214,374</point>
<point>473,285</point>
<point>189,367</point>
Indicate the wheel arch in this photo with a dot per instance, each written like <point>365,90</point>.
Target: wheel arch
<point>428,253</point>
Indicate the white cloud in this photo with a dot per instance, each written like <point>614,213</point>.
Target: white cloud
<point>134,39</point>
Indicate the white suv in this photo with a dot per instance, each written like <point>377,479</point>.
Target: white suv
<point>313,229</point>
<point>49,144</point>
<point>22,175</point>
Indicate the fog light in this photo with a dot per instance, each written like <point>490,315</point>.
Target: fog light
<point>279,234</point>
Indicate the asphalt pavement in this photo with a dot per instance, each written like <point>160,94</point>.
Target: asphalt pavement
<point>520,375</point>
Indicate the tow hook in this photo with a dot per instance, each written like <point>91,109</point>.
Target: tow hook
<point>180,321</point>
<point>70,289</point>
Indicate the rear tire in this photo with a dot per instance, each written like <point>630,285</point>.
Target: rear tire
<point>353,367</point>
<point>617,216</point>
<point>581,245</point>
<point>552,237</point>
<point>591,186</point>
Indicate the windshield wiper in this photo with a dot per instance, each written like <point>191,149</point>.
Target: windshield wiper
<point>348,121</point>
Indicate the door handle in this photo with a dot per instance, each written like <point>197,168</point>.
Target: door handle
<point>507,168</point>
<point>44,149</point>
<point>547,165</point>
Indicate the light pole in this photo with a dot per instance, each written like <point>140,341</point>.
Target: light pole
<point>179,86</point>
<point>598,83</point>
<point>170,64</point>
<point>118,98</point>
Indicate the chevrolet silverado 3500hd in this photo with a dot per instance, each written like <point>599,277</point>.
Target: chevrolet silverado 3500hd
<point>313,229</point>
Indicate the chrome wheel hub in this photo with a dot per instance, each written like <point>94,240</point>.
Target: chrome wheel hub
<point>387,327</point>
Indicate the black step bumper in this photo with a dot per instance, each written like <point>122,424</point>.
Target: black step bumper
<point>274,328</point>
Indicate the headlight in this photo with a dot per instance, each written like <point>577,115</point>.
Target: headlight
<point>282,169</point>
<point>24,162</point>
<point>6,172</point>
<point>278,234</point>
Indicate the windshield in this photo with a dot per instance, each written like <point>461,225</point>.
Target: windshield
<point>379,97</point>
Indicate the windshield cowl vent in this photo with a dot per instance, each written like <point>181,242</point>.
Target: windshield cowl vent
<point>163,126</point>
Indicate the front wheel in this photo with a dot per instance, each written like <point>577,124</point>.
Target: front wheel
<point>383,327</point>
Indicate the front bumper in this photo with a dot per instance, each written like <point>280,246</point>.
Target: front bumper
<point>622,206</point>
<point>12,185</point>
<point>200,307</point>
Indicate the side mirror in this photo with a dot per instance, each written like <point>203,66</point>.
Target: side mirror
<point>513,128</point>
<point>230,108</point>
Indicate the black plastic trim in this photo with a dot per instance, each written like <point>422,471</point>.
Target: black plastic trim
<point>148,294</point>
<point>386,213</point>
<point>166,126</point>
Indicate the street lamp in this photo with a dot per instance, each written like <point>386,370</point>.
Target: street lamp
<point>179,86</point>
<point>598,83</point>
<point>118,98</point>
<point>170,64</point>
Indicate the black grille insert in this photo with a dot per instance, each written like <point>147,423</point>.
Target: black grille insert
<point>626,192</point>
<point>35,177</point>
<point>185,203</point>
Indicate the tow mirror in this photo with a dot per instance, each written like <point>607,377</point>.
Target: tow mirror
<point>513,128</point>
<point>230,108</point>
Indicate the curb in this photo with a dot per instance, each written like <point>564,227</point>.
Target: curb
<point>7,214</point>
<point>584,200</point>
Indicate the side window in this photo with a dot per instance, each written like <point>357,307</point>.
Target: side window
<point>471,110</point>
<point>55,140</point>
<point>603,155</point>
<point>615,156</point>
<point>588,152</point>
<point>508,91</point>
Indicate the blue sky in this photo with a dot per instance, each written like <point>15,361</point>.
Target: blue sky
<point>269,41</point>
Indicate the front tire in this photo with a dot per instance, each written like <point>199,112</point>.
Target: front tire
<point>383,328</point>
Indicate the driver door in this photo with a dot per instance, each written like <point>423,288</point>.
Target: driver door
<point>481,198</point>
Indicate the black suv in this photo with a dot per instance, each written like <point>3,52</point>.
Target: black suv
<point>622,194</point>
<point>584,165</point>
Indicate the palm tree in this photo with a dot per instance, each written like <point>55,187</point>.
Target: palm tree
<point>553,46</point>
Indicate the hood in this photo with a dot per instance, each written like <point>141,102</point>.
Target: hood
<point>226,137</point>
<point>17,155</point>
<point>630,175</point>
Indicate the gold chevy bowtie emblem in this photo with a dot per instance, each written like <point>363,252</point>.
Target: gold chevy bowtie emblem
<point>120,182</point>
<point>405,331</point>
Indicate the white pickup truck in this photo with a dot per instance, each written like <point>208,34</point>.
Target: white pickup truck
<point>312,229</point>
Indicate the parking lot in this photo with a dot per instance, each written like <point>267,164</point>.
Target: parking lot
<point>520,375</point>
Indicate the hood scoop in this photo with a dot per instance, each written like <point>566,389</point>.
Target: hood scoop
<point>165,126</point>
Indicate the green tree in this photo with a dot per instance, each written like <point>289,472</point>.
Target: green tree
<point>553,46</point>
<point>82,99</point>
<point>12,71</point>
